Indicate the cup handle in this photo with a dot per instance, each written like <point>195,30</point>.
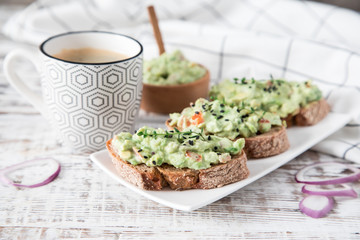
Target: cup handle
<point>17,82</point>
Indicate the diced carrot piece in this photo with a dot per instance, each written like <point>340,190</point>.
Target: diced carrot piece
<point>195,156</point>
<point>197,118</point>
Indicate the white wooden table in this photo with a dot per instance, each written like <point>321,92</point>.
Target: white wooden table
<point>84,203</point>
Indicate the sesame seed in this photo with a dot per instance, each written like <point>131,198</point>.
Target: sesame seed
<point>220,117</point>
<point>197,112</point>
<point>209,138</point>
<point>145,157</point>
<point>222,105</point>
<point>154,162</point>
<point>215,148</point>
<point>140,150</point>
<point>193,105</point>
<point>222,111</point>
<point>226,119</point>
<point>191,142</point>
<point>238,110</point>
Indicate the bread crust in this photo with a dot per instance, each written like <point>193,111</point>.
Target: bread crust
<point>156,178</point>
<point>313,113</point>
<point>309,115</point>
<point>267,144</point>
<point>264,145</point>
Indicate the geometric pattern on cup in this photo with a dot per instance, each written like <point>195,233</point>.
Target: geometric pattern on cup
<point>89,104</point>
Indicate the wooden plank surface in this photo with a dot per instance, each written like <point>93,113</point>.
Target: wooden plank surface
<point>84,203</point>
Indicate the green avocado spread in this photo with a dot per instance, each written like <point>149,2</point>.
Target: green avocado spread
<point>171,69</point>
<point>223,120</point>
<point>186,149</point>
<point>276,96</point>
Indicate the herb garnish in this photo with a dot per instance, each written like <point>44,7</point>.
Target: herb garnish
<point>179,135</point>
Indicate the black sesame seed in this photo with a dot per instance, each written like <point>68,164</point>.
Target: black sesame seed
<point>154,162</point>
<point>222,111</point>
<point>227,120</point>
<point>211,110</point>
<point>171,131</point>
<point>264,89</point>
<point>214,114</point>
<point>135,131</point>
<point>237,130</point>
<point>197,137</point>
<point>215,148</point>
<point>245,116</point>
<point>196,112</point>
<point>191,142</point>
<point>220,117</point>
<point>193,105</point>
<point>238,110</point>
<point>203,106</point>
<point>140,150</point>
<point>209,138</point>
<point>222,105</point>
<point>145,157</point>
<point>170,136</point>
<point>218,153</point>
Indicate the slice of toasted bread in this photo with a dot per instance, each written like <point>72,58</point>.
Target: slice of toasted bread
<point>267,144</point>
<point>309,115</point>
<point>313,113</point>
<point>264,145</point>
<point>156,178</point>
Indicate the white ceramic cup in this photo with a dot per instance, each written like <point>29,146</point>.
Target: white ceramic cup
<point>87,103</point>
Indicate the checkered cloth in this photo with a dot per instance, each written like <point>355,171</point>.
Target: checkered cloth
<point>295,40</point>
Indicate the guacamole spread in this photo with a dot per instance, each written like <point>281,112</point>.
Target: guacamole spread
<point>185,149</point>
<point>275,96</point>
<point>223,120</point>
<point>171,69</point>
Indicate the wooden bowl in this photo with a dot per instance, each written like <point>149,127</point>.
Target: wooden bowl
<point>173,98</point>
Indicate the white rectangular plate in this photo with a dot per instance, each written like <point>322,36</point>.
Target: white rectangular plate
<point>301,139</point>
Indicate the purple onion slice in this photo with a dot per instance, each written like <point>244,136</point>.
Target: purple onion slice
<point>48,177</point>
<point>340,190</point>
<point>348,174</point>
<point>316,206</point>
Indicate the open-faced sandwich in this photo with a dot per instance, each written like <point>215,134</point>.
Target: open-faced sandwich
<point>155,158</point>
<point>263,131</point>
<point>298,103</point>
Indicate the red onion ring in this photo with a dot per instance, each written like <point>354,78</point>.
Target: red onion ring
<point>316,206</point>
<point>49,178</point>
<point>343,191</point>
<point>300,176</point>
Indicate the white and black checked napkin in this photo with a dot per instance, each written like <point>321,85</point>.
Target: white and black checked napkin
<point>295,40</point>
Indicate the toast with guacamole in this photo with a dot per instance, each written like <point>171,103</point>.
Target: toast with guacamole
<point>153,159</point>
<point>298,103</point>
<point>264,132</point>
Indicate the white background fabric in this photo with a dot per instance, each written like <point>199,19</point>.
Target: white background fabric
<point>295,40</point>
